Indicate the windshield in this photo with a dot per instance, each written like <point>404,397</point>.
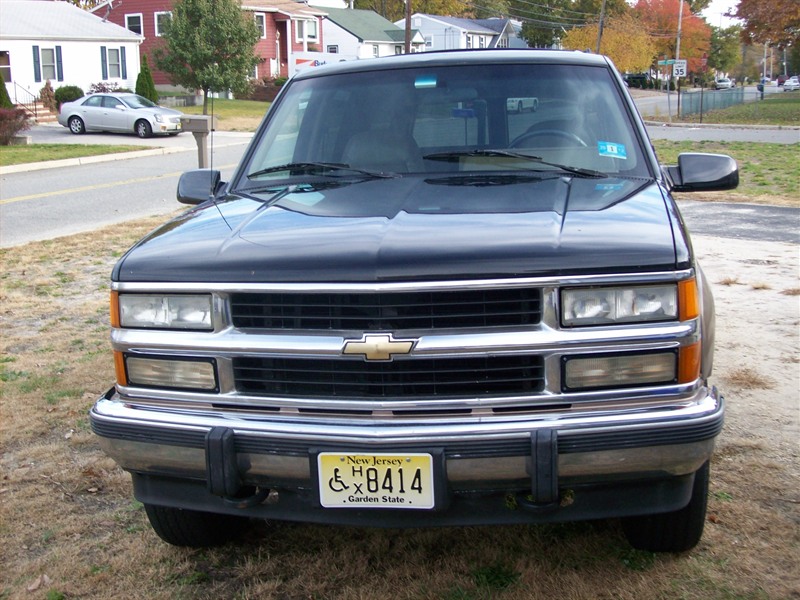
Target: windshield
<point>449,120</point>
<point>136,101</point>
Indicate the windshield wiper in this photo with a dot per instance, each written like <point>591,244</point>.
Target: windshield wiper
<point>318,168</point>
<point>450,156</point>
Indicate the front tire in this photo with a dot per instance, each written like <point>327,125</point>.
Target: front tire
<point>675,531</point>
<point>76,125</point>
<point>143,129</point>
<point>192,528</point>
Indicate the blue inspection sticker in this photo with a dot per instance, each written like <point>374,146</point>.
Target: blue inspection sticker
<point>612,150</point>
<point>425,81</point>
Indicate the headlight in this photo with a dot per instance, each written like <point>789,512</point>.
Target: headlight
<point>609,306</point>
<point>163,311</point>
<point>171,373</point>
<point>158,118</point>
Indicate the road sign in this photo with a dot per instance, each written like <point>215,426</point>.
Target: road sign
<point>669,61</point>
<point>679,68</point>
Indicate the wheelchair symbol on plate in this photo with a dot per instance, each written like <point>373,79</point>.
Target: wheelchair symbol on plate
<point>336,483</point>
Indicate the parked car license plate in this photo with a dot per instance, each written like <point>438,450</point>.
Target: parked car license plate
<point>375,480</point>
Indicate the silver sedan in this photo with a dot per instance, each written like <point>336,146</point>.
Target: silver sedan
<point>118,112</point>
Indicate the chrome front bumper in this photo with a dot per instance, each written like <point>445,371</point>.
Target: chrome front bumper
<point>655,442</point>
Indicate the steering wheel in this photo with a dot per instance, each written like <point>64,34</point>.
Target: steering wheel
<point>518,142</point>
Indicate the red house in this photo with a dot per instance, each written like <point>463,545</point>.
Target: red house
<point>287,27</point>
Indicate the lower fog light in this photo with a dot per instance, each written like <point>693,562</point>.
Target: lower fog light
<point>171,373</point>
<point>594,372</point>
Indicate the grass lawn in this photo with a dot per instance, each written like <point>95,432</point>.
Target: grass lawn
<point>233,115</point>
<point>17,155</point>
<point>767,172</point>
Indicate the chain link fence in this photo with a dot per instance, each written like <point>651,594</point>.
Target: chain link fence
<point>703,101</point>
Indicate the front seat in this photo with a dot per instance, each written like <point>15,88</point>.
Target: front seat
<point>383,151</point>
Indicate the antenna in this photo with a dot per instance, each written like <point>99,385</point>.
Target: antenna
<point>211,190</point>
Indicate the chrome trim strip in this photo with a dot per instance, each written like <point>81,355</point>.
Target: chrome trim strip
<point>705,407</point>
<point>576,280</point>
<point>230,342</point>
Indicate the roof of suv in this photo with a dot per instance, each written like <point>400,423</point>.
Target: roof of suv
<point>456,57</point>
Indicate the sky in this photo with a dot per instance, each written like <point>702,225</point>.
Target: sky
<point>716,9</point>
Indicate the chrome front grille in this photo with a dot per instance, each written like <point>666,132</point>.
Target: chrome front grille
<point>388,311</point>
<point>472,377</point>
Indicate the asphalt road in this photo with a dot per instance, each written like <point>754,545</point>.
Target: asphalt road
<point>52,202</point>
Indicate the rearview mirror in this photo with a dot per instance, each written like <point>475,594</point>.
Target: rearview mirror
<point>198,185</point>
<point>698,172</point>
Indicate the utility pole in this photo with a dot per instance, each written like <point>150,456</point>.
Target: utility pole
<point>680,19</point>
<point>408,26</point>
<point>600,26</point>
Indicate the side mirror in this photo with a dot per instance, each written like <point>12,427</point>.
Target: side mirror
<point>198,185</point>
<point>703,173</point>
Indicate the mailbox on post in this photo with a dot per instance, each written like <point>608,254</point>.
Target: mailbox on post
<point>200,126</point>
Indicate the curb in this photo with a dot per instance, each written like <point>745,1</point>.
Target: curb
<point>721,126</point>
<point>101,158</point>
<point>88,160</point>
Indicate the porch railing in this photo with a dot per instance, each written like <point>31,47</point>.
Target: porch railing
<point>24,99</point>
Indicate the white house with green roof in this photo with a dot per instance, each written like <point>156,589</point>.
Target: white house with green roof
<point>456,33</point>
<point>365,34</point>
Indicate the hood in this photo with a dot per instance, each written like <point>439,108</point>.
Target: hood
<point>410,228</point>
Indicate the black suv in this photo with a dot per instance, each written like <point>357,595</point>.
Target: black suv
<point>413,306</point>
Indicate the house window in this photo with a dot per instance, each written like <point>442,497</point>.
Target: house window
<point>134,23</point>
<point>333,49</point>
<point>428,41</point>
<point>469,41</point>
<point>503,43</point>
<point>398,49</point>
<point>47,64</point>
<point>162,18</point>
<point>261,23</point>
<point>5,66</point>
<point>375,51</point>
<point>482,41</point>
<point>112,62</point>
<point>306,30</point>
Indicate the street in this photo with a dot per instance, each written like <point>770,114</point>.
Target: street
<point>50,203</point>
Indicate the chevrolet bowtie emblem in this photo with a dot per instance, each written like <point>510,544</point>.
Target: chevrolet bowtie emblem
<point>378,347</point>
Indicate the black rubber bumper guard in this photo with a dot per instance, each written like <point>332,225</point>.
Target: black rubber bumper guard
<point>223,472</point>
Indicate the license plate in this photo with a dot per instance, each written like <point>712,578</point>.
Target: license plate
<point>375,480</point>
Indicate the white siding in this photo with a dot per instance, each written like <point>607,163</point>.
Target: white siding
<point>81,64</point>
<point>441,35</point>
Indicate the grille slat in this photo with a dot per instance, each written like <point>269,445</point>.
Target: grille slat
<point>508,307</point>
<point>400,379</point>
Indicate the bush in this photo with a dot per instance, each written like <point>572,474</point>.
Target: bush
<point>68,93</point>
<point>145,86</point>
<point>105,88</point>
<point>48,97</point>
<point>12,121</point>
<point>5,101</point>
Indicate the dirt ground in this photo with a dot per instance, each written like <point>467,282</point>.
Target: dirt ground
<point>69,527</point>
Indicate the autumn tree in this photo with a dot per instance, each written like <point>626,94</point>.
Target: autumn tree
<point>660,20</point>
<point>723,55</point>
<point>624,41</point>
<point>208,45</point>
<point>776,22</point>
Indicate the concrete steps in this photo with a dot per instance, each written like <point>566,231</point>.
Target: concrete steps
<point>42,113</point>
